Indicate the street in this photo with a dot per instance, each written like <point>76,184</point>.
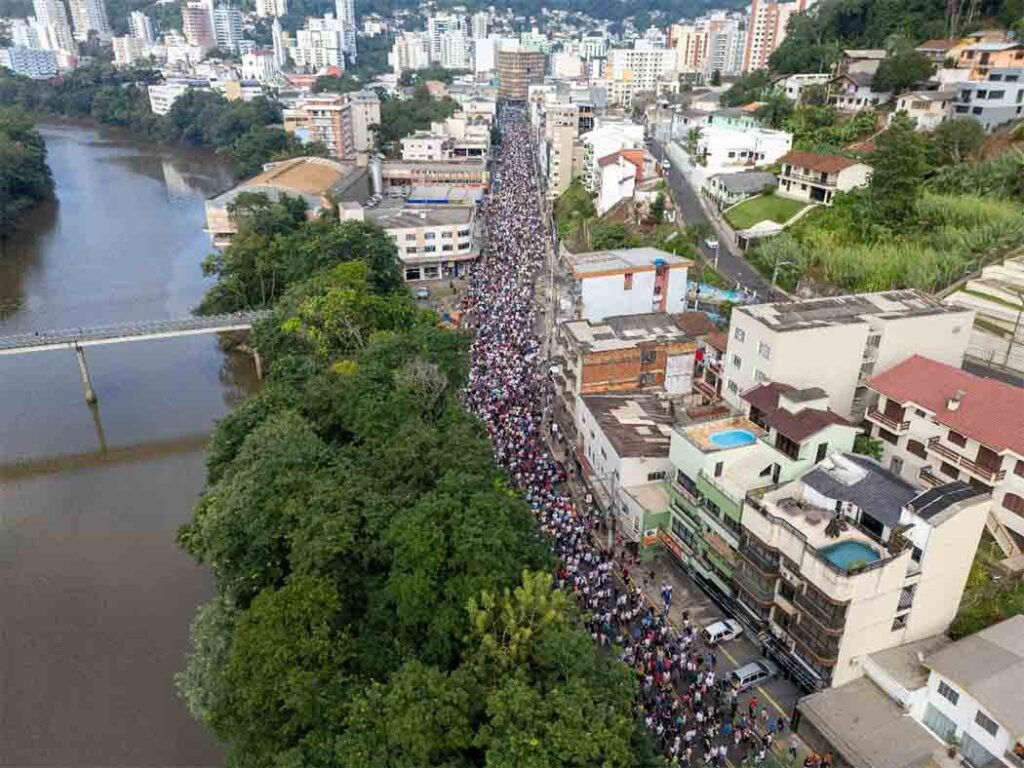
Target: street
<point>730,263</point>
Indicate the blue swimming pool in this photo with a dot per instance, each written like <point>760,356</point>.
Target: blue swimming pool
<point>846,553</point>
<point>730,438</point>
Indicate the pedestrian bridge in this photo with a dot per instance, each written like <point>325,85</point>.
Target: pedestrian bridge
<point>79,338</point>
<point>73,338</point>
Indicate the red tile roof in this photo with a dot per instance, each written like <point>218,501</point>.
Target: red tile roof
<point>816,162</point>
<point>611,159</point>
<point>695,324</point>
<point>796,426</point>
<point>719,340</point>
<point>990,411</point>
<point>938,45</point>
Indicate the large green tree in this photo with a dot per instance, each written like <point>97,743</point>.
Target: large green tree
<point>899,164</point>
<point>25,179</point>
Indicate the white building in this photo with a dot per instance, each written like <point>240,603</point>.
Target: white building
<point>268,8</point>
<point>456,50</point>
<point>260,65</point>
<point>593,47</point>
<point>639,70</point>
<point>766,29</point>
<point>411,50</point>
<point>37,63</point>
<point>723,50</point>
<point>850,560</point>
<point>928,109</point>
<point>321,44</point>
<point>345,12</point>
<point>424,146</point>
<point>616,181</point>
<point>365,114</point>
<point>566,66</point>
<point>838,343</point>
<point>478,24</point>
<point>53,18</point>
<point>28,33</point>
<point>723,148</point>
<point>793,85</point>
<point>853,92</point>
<point>937,423</point>
<point>436,27</point>
<point>89,16</point>
<point>129,50</point>
<point>603,141</point>
<point>163,96</point>
<point>227,28</point>
<point>141,26</point>
<point>280,47</point>
<point>996,100</point>
<point>816,178</point>
<point>627,282</point>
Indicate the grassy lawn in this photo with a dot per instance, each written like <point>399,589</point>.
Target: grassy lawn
<point>773,207</point>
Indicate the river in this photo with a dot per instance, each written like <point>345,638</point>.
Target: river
<point>95,596</point>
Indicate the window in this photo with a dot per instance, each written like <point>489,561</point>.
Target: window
<point>956,438</point>
<point>888,436</point>
<point>733,387</point>
<point>899,622</point>
<point>446,235</point>
<point>648,356</point>
<point>916,447</point>
<point>947,692</point>
<point>627,281</point>
<point>739,334</point>
<point>990,726</point>
<point>786,591</point>
<point>949,470</point>
<point>919,412</point>
<point>907,597</point>
<point>412,249</point>
<point>410,237</point>
<point>1018,468</point>
<point>446,247</point>
<point>646,379</point>
<point>759,376</point>
<point>820,455</point>
<point>737,362</point>
<point>429,248</point>
<point>996,95</point>
<point>429,236</point>
<point>764,350</point>
<point>1014,503</point>
<point>719,466</point>
<point>653,476</point>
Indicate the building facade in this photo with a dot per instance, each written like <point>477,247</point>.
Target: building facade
<point>994,101</point>
<point>628,281</point>
<point>517,71</point>
<point>326,118</point>
<point>816,178</point>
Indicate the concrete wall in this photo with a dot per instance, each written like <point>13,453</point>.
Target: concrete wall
<point>963,714</point>
<point>606,295</point>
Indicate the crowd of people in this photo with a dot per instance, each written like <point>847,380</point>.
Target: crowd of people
<point>692,710</point>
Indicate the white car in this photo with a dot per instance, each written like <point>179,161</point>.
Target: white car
<point>423,292</point>
<point>666,165</point>
<point>721,631</point>
<point>711,243</point>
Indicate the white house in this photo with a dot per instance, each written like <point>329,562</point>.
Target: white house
<point>926,108</point>
<point>721,149</point>
<point>817,178</point>
<point>617,181</point>
<point>793,85</point>
<point>628,282</point>
<point>994,101</point>
<point>852,92</point>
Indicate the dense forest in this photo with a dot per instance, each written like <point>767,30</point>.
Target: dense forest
<point>243,131</point>
<point>383,597</point>
<point>24,176</point>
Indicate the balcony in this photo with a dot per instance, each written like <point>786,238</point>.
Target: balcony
<point>888,422</point>
<point>988,475</point>
<point>761,591</point>
<point>831,618</point>
<point>767,566</point>
<point>929,480</point>
<point>823,653</point>
<point>808,178</point>
<point>705,389</point>
<point>1013,758</point>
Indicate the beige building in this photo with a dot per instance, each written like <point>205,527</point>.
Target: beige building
<point>938,424</point>
<point>412,173</point>
<point>365,107</point>
<point>425,146</point>
<point>850,560</point>
<point>317,180</point>
<point>817,178</point>
<point>517,71</point>
<point>838,343</point>
<point>326,118</point>
<point>928,109</point>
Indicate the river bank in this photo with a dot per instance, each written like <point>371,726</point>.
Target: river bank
<point>97,596</point>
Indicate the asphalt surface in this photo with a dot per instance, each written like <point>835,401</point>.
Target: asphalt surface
<point>730,262</point>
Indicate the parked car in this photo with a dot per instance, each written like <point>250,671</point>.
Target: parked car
<point>721,631</point>
<point>711,243</point>
<point>666,165</point>
<point>753,674</point>
<point>423,292</point>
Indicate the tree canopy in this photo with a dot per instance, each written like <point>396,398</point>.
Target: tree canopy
<point>25,178</point>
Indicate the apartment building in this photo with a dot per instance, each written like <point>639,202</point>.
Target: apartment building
<point>719,455</point>
<point>35,63</point>
<point>982,58</point>
<point>839,343</point>
<point>623,449</point>
<point>606,139</point>
<point>690,43</point>
<point>197,24</point>
<point>850,560</point>
<point>320,44</point>
<point>163,95</point>
<point>52,18</point>
<point>426,146</point>
<point>365,114</point>
<point>628,281</point>
<point>410,50</point>
<point>141,26</point>
<point>853,92</point>
<point>434,232</point>
<point>271,8</point>
<point>766,30</point>
<point>324,117</point>
<point>707,374</point>
<point>817,178</point>
<point>128,50</point>
<point>938,424</point>
<point>518,69</point>
<point>639,69</point>
<point>726,38</point>
<point>928,109</point>
<point>994,101</point>
<point>91,16</point>
<point>466,173</point>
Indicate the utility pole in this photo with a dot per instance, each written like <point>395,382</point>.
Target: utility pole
<point>90,394</point>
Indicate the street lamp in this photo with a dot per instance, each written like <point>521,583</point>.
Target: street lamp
<point>775,271</point>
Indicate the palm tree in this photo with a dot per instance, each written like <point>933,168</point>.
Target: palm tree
<point>774,109</point>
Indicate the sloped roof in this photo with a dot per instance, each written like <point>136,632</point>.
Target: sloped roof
<point>695,324</point>
<point>937,45</point>
<point>867,484</point>
<point>796,426</point>
<point>816,162</point>
<point>990,411</point>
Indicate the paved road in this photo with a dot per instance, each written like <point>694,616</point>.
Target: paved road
<point>730,263</point>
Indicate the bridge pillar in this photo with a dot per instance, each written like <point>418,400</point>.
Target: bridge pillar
<point>90,394</point>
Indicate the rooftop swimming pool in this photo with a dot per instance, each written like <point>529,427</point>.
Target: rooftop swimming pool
<point>731,438</point>
<point>847,553</point>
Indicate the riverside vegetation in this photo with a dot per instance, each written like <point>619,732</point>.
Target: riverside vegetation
<point>25,179</point>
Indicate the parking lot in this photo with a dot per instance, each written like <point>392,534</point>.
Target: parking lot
<point>778,695</point>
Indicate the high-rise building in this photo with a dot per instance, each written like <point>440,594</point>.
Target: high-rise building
<point>410,51</point>
<point>594,47</point>
<point>36,63</point>
<point>280,49</point>
<point>260,65</point>
<point>437,26</point>
<point>690,43</point>
<point>53,18</point>
<point>766,29</point>
<point>326,118</point>
<point>517,71</point>
<point>141,26</point>
<point>128,50</point>
<point>197,24</point>
<point>321,44</point>
<point>227,28</point>
<point>455,50</point>
<point>89,16</point>
<point>365,115</point>
<point>637,70</point>
<point>478,24</point>
<point>345,12</point>
<point>726,34</point>
<point>28,33</point>
<point>274,8</point>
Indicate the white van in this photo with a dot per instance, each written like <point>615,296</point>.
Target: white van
<point>753,674</point>
<point>721,631</point>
